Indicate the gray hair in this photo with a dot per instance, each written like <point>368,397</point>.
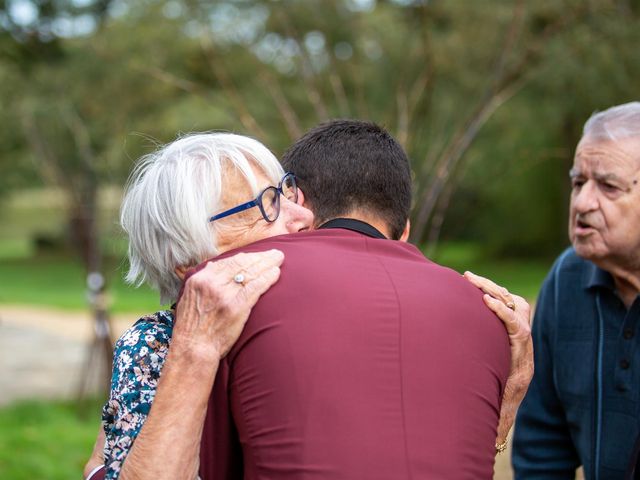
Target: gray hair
<point>170,196</point>
<point>615,123</point>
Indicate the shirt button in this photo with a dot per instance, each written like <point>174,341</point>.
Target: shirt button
<point>627,334</point>
<point>624,364</point>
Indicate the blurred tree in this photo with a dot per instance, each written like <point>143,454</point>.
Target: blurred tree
<point>55,129</point>
<point>435,73</point>
<point>73,106</point>
<point>524,154</point>
<point>71,99</point>
<point>475,91</point>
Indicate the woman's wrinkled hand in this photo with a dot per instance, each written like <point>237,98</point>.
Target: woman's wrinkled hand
<point>515,313</point>
<point>217,300</point>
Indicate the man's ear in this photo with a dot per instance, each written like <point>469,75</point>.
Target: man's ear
<point>405,233</point>
<point>301,198</point>
<point>181,271</point>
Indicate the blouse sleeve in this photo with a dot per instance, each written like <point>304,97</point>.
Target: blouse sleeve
<point>137,363</point>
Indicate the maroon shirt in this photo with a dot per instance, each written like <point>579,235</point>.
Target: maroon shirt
<point>364,361</point>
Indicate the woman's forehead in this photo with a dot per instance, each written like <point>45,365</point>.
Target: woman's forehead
<point>243,185</point>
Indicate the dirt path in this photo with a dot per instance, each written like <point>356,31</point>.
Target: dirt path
<point>42,352</point>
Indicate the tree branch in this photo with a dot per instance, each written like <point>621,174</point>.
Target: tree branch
<point>453,154</point>
<point>306,68</point>
<point>504,84</point>
<point>288,114</point>
<point>48,165</point>
<point>224,79</point>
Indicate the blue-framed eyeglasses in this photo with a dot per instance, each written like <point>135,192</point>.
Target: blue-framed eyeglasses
<point>268,200</point>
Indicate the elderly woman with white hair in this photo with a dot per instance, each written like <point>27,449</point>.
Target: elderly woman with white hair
<point>185,203</point>
<point>170,196</point>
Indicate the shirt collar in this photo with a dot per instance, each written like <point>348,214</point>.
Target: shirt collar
<point>354,225</point>
<point>595,277</point>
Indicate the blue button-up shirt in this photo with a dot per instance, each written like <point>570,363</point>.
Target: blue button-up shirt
<point>582,407</point>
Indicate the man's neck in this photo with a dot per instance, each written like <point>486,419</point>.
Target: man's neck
<point>627,282</point>
<point>373,220</point>
<point>628,288</point>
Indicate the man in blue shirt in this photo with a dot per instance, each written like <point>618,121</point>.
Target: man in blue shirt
<point>583,405</point>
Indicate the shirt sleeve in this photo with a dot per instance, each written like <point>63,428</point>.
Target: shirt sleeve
<point>137,363</point>
<point>96,474</point>
<point>542,446</point>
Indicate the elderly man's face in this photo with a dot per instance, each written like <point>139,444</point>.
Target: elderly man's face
<point>249,226</point>
<point>604,221</point>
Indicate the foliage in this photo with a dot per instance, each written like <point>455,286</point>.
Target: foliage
<point>46,440</point>
<point>477,92</point>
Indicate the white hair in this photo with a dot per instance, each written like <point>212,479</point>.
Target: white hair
<point>170,196</point>
<point>616,123</point>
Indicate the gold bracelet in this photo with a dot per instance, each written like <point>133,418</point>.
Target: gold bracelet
<point>501,447</point>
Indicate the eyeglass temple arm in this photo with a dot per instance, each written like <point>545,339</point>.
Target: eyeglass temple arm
<point>239,208</point>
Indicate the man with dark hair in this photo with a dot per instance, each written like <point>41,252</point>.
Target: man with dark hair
<point>345,167</point>
<point>365,360</point>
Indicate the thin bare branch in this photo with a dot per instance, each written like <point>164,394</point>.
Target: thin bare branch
<point>419,88</point>
<point>85,209</point>
<point>48,165</point>
<point>402,127</point>
<point>306,67</point>
<point>454,153</point>
<point>339,93</point>
<point>438,219</point>
<point>226,82</point>
<point>171,79</point>
<point>335,79</point>
<point>513,31</point>
<point>81,137</point>
<point>288,114</point>
<point>505,83</point>
<point>420,92</point>
<point>362,107</point>
<point>534,50</point>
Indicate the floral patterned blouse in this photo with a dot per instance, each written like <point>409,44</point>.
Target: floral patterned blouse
<point>137,362</point>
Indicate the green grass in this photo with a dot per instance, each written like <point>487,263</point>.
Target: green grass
<point>49,440</point>
<point>15,248</point>
<point>521,276</point>
<point>58,281</point>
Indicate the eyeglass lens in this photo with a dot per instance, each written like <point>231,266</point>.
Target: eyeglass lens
<point>270,198</point>
<point>289,188</point>
<point>270,203</point>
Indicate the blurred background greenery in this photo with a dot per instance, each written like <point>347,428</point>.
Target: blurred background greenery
<point>488,98</point>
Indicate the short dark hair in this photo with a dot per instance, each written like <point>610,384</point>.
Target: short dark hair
<point>344,165</point>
